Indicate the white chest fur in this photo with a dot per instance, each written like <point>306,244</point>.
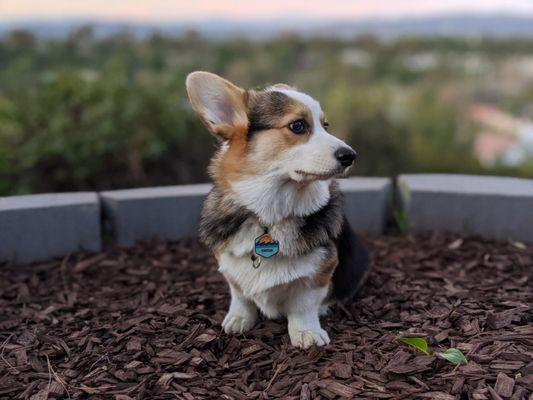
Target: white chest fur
<point>258,284</point>
<point>274,198</point>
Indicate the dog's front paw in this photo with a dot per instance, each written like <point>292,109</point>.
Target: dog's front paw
<point>307,338</point>
<point>236,323</point>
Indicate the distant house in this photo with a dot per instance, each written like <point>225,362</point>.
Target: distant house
<point>504,138</point>
<point>421,61</point>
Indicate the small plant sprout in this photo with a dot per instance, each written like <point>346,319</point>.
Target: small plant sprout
<point>401,220</point>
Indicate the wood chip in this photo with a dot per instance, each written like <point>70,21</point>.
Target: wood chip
<point>342,370</point>
<point>504,385</point>
<point>337,388</point>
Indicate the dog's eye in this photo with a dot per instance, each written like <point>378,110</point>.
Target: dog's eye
<point>326,125</point>
<point>299,126</point>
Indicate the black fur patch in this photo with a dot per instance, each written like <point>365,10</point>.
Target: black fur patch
<point>320,228</point>
<point>221,218</point>
<point>265,109</point>
<point>354,264</point>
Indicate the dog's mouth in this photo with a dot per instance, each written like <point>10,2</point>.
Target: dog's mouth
<point>306,175</point>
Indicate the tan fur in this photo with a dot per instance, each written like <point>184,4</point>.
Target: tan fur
<point>274,143</point>
<point>327,268</point>
<point>234,163</point>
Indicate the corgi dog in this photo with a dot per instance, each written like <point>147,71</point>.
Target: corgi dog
<point>274,218</point>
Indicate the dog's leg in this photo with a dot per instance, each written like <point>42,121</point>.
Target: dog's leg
<point>242,313</point>
<point>303,309</point>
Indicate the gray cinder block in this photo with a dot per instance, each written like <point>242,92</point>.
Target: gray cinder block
<point>171,212</point>
<point>40,227</point>
<point>494,207</point>
<point>366,202</point>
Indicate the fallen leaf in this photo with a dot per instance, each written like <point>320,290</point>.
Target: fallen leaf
<point>418,343</point>
<point>455,356</point>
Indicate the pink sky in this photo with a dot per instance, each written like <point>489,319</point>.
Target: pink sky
<point>147,10</point>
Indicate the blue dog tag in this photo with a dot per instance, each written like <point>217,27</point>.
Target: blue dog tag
<point>265,246</point>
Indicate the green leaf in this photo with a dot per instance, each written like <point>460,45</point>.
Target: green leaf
<point>418,343</point>
<point>455,356</point>
<point>402,221</point>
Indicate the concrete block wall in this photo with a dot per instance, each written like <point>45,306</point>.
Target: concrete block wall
<point>495,207</point>
<point>168,212</point>
<point>41,227</point>
<point>366,202</point>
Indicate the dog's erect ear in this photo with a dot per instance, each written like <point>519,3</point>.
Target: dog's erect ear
<point>219,103</point>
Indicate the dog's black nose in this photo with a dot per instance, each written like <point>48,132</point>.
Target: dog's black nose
<point>345,155</point>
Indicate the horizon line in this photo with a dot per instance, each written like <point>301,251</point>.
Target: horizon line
<point>280,18</point>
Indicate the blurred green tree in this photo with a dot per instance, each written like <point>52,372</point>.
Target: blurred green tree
<point>77,132</point>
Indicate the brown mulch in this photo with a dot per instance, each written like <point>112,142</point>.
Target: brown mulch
<point>144,322</point>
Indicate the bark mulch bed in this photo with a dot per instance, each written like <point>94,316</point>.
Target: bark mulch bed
<point>144,322</point>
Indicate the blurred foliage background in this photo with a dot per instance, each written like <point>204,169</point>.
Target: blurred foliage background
<point>87,112</point>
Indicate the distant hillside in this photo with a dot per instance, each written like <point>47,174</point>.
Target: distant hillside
<point>500,26</point>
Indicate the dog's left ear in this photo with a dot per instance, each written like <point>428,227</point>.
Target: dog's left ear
<point>219,103</point>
